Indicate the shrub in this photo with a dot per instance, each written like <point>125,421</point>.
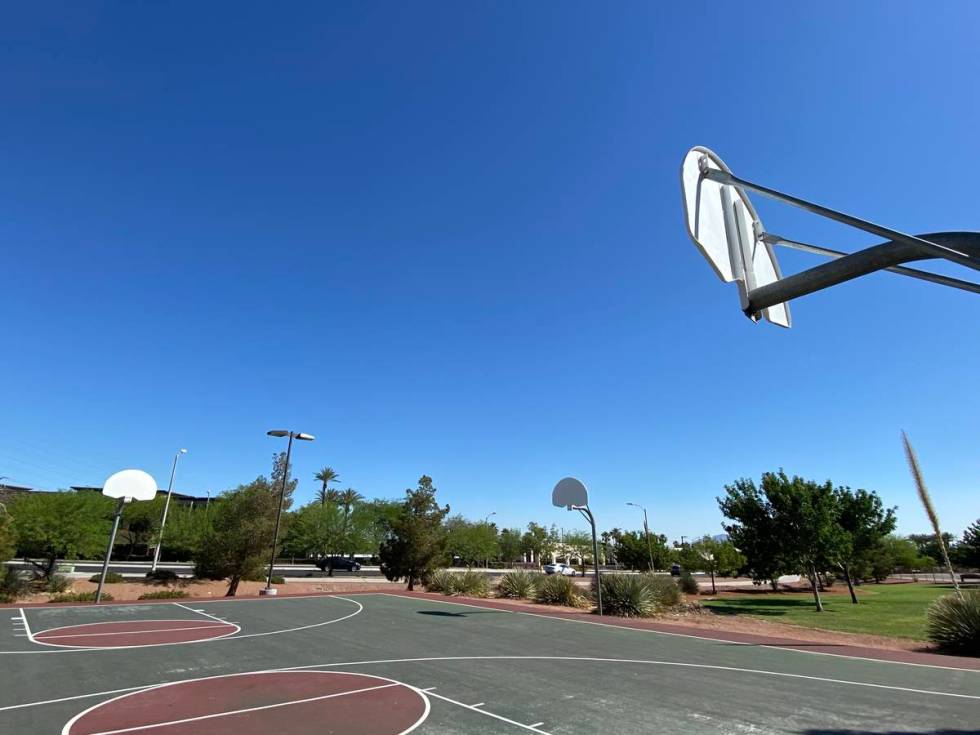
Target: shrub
<point>110,578</point>
<point>80,597</point>
<point>57,583</point>
<point>13,584</point>
<point>163,595</point>
<point>260,575</point>
<point>470,583</point>
<point>628,595</point>
<point>517,585</point>
<point>162,575</point>
<point>953,622</point>
<point>664,589</point>
<point>557,589</point>
<point>688,584</point>
<point>440,580</point>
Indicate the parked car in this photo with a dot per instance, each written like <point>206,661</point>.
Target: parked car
<point>566,570</point>
<point>675,570</point>
<point>341,563</point>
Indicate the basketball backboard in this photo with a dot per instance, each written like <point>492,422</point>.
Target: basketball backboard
<point>131,485</point>
<point>569,492</point>
<point>725,227</point>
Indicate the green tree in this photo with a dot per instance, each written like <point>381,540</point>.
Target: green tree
<point>579,544</point>
<point>371,521</point>
<point>347,500</point>
<point>415,540</point>
<point>186,528</point>
<point>510,545</point>
<point>279,469</point>
<point>864,521</point>
<point>754,531</point>
<point>927,545</point>
<point>968,549</point>
<point>7,539</point>
<point>326,475</point>
<point>713,556</point>
<point>317,530</point>
<point>239,536</point>
<point>139,525</point>
<point>472,543</point>
<point>62,525</point>
<point>537,541</point>
<point>632,551</point>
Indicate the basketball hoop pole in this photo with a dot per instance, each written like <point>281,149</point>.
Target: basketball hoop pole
<point>584,510</point>
<point>108,551</point>
<point>962,248</point>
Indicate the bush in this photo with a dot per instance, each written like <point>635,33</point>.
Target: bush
<point>13,584</point>
<point>80,597</point>
<point>57,583</point>
<point>628,595</point>
<point>110,578</point>
<point>557,589</point>
<point>688,584</point>
<point>260,575</point>
<point>517,585</point>
<point>441,580</point>
<point>953,622</point>
<point>163,595</point>
<point>470,583</point>
<point>162,576</point>
<point>664,589</point>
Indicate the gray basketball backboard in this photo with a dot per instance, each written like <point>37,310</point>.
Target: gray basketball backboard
<point>130,484</point>
<point>569,492</point>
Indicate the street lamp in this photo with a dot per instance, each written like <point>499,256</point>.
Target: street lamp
<point>646,530</point>
<point>269,589</point>
<point>166,507</point>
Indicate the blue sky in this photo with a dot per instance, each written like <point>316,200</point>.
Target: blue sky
<point>447,239</point>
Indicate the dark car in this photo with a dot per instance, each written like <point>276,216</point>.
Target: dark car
<point>339,562</point>
<point>675,570</point>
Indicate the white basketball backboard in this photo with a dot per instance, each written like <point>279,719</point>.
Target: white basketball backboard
<point>725,227</point>
<point>569,492</point>
<point>131,485</point>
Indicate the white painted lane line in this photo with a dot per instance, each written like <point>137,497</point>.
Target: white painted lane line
<point>27,627</point>
<point>478,704</point>
<point>200,612</point>
<point>473,708</point>
<point>133,632</point>
<point>243,711</point>
<point>537,724</point>
<point>430,689</point>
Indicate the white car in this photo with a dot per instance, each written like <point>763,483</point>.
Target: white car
<point>566,570</point>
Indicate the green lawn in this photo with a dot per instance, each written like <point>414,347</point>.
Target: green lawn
<point>892,610</point>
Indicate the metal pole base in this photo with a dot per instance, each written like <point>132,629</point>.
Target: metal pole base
<point>268,591</point>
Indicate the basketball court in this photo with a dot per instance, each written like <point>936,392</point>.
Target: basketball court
<point>390,663</point>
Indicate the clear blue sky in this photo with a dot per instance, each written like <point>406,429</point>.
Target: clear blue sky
<point>447,239</point>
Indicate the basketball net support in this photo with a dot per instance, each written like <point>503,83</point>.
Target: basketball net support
<point>962,248</point>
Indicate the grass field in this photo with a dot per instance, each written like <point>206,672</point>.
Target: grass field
<point>891,610</point>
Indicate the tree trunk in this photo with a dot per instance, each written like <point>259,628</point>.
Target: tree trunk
<point>774,583</point>
<point>813,585</point>
<point>233,585</point>
<point>713,590</point>
<point>330,566</point>
<point>411,583</point>
<point>850,585</point>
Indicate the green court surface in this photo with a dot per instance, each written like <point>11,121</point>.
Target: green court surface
<point>380,663</point>
<point>883,609</point>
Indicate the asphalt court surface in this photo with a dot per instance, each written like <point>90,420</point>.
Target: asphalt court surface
<point>386,664</point>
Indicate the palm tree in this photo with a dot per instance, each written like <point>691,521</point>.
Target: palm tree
<point>347,498</point>
<point>326,476</point>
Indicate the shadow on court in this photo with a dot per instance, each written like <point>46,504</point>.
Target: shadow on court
<point>444,614</point>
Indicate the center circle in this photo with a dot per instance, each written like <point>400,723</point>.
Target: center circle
<point>284,702</point>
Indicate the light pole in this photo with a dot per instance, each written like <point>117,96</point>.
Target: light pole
<point>646,530</point>
<point>269,589</point>
<point>166,507</point>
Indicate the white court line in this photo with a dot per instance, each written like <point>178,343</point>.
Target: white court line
<point>66,730</point>
<point>537,724</point>
<point>243,711</point>
<point>772,647</point>
<point>473,708</point>
<point>645,662</point>
<point>478,704</point>
<point>27,627</point>
<point>135,632</point>
<point>200,612</point>
<point>229,637</point>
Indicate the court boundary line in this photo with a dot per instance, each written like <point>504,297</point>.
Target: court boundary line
<point>134,632</point>
<point>476,708</point>
<point>66,728</point>
<point>200,612</point>
<point>770,646</point>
